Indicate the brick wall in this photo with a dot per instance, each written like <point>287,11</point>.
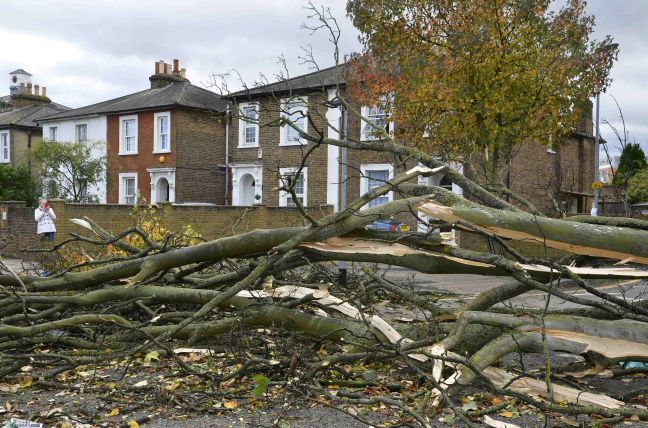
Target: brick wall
<point>18,228</point>
<point>200,153</point>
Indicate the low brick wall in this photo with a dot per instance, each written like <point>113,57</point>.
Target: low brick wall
<point>18,228</point>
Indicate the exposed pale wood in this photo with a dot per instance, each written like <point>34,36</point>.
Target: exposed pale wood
<point>608,347</point>
<point>349,245</point>
<point>538,388</point>
<point>593,240</point>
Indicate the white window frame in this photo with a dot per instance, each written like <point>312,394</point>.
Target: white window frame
<point>5,135</point>
<point>283,196</point>
<point>244,124</point>
<point>364,111</point>
<point>303,107</point>
<point>364,179</point>
<point>157,148</point>
<point>76,132</point>
<point>55,129</point>
<point>122,189</point>
<point>122,139</point>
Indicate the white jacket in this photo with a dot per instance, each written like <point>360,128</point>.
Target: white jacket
<point>45,219</point>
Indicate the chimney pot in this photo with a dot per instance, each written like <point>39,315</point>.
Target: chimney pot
<point>176,66</point>
<point>22,88</point>
<point>29,88</point>
<point>36,90</point>
<point>44,93</point>
<point>183,73</point>
<point>160,67</point>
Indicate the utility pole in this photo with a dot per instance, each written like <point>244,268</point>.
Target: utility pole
<point>342,266</point>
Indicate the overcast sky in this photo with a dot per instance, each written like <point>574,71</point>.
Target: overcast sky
<point>90,51</point>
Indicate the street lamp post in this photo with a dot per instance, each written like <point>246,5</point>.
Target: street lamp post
<point>597,139</point>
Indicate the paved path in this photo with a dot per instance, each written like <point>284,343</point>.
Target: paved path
<point>17,265</point>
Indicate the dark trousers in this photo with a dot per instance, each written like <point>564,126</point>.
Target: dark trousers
<point>47,236</point>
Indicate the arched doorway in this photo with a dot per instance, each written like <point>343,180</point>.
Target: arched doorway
<point>247,190</point>
<point>162,190</point>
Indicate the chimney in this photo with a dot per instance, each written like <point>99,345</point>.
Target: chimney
<point>44,93</point>
<point>166,74</point>
<point>183,73</point>
<point>22,88</point>
<point>29,88</point>
<point>37,90</point>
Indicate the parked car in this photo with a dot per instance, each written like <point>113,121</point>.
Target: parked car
<point>389,225</point>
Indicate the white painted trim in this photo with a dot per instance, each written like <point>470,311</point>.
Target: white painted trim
<point>283,196</point>
<point>333,116</point>
<point>364,179</point>
<point>364,111</point>
<point>5,159</point>
<point>156,132</point>
<point>122,142</point>
<point>242,123</point>
<point>238,171</point>
<point>283,134</point>
<point>122,196</point>
<point>56,129</point>
<point>156,174</point>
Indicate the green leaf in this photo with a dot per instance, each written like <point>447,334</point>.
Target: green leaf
<point>153,355</point>
<point>261,384</point>
<point>449,420</point>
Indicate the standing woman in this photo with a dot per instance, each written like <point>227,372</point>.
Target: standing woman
<point>45,217</point>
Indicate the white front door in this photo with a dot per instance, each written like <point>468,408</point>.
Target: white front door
<point>247,189</point>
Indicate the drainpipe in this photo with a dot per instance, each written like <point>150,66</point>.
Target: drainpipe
<point>342,266</point>
<point>227,122</point>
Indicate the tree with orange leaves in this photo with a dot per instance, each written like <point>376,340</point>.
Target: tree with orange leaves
<point>471,79</point>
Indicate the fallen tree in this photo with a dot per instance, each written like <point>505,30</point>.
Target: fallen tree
<point>156,299</point>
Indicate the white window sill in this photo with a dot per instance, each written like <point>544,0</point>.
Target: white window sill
<point>249,146</point>
<point>5,161</point>
<point>157,152</point>
<point>292,143</point>
<point>127,153</point>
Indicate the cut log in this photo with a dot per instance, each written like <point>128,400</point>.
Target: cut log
<point>611,242</point>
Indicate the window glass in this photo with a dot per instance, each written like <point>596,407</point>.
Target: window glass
<point>129,135</point>
<point>4,147</point>
<point>379,118</point>
<point>376,178</point>
<point>295,112</point>
<point>163,129</point>
<point>81,133</point>
<point>129,190</point>
<point>53,131</point>
<point>250,129</point>
<point>299,189</point>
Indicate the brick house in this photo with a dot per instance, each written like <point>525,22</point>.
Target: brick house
<point>164,144</point>
<point>259,155</point>
<point>18,111</point>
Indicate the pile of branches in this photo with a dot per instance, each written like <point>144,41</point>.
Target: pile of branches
<point>264,303</point>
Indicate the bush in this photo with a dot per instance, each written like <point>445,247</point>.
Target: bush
<point>638,187</point>
<point>17,184</point>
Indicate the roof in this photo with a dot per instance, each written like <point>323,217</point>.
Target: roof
<point>318,79</point>
<point>6,99</point>
<point>20,71</point>
<point>26,116</point>
<point>177,94</point>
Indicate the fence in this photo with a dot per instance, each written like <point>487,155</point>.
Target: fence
<point>18,228</point>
